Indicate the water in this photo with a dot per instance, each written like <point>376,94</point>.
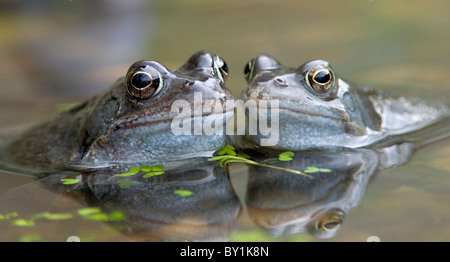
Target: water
<point>46,61</point>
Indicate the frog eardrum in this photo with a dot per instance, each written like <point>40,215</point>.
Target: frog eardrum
<point>143,80</point>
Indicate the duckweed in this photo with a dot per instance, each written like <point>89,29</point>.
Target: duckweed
<point>312,169</point>
<point>183,192</point>
<point>131,172</point>
<point>286,156</point>
<point>227,158</point>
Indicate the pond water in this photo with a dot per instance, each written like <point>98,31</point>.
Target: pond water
<point>53,53</point>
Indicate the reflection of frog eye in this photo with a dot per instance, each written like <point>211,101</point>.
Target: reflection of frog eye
<point>320,78</point>
<point>248,69</point>
<point>221,68</point>
<point>143,84</point>
<point>330,223</point>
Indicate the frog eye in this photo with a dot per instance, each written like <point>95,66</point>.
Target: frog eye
<point>329,223</point>
<point>221,68</point>
<point>144,83</point>
<point>248,69</point>
<point>320,78</point>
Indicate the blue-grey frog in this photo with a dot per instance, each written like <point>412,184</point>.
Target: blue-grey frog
<point>318,109</point>
<point>133,120</point>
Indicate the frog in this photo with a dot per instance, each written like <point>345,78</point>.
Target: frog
<point>312,107</point>
<point>133,120</point>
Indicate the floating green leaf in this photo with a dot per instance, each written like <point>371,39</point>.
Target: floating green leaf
<point>243,155</point>
<point>70,181</point>
<point>146,168</point>
<point>286,156</point>
<point>183,192</point>
<point>88,211</point>
<point>22,222</point>
<point>225,160</point>
<point>97,217</point>
<point>9,215</point>
<point>157,168</point>
<point>116,216</point>
<point>152,171</point>
<point>155,173</point>
<point>227,150</point>
<point>131,172</point>
<point>151,168</point>
<point>53,216</point>
<point>33,237</point>
<point>312,169</point>
<point>93,213</point>
<point>96,214</point>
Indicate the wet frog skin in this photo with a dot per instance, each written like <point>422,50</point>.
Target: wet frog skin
<point>131,121</point>
<point>318,109</point>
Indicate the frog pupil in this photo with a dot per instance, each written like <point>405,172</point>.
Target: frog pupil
<point>141,80</point>
<point>322,77</point>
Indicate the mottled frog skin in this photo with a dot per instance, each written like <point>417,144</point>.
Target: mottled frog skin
<point>318,109</point>
<point>130,122</point>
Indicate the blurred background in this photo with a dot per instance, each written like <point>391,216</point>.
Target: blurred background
<point>54,52</point>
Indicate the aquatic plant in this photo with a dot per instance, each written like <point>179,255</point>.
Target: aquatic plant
<point>228,155</point>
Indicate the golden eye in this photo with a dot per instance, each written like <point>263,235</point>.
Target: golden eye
<point>320,78</point>
<point>144,84</point>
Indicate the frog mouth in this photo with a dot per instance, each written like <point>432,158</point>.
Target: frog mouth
<point>296,111</point>
<point>226,115</point>
<point>315,114</point>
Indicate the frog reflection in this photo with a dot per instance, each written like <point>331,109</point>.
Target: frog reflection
<point>131,121</point>
<point>285,203</point>
<point>192,202</point>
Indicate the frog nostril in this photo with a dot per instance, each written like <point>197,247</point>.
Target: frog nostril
<point>189,83</point>
<point>281,82</point>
